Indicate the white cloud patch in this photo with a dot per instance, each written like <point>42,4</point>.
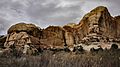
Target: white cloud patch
<point>68,3</point>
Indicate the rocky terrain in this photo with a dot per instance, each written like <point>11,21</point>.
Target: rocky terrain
<point>97,29</point>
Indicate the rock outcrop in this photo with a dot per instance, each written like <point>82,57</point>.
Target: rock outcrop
<point>97,26</point>
<point>31,29</point>
<point>22,35</point>
<point>70,34</point>
<point>117,21</point>
<point>56,37</point>
<point>53,36</point>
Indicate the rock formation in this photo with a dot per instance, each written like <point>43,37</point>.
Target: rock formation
<point>56,37</point>
<point>96,26</point>
<point>30,29</point>
<point>117,21</point>
<point>53,36</point>
<point>97,22</point>
<point>22,35</point>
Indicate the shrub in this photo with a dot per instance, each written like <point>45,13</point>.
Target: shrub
<point>114,46</point>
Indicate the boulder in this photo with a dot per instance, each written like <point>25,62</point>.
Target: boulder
<point>114,46</point>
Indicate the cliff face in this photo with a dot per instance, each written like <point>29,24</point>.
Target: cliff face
<point>53,36</point>
<point>69,35</point>
<point>117,21</point>
<point>95,26</point>
<point>98,21</point>
<point>56,37</point>
<point>23,37</point>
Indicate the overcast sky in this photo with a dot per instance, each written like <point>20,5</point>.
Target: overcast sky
<point>49,12</point>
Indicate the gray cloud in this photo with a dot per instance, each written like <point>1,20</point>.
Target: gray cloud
<point>112,5</point>
<point>49,12</point>
<point>56,12</point>
<point>3,25</point>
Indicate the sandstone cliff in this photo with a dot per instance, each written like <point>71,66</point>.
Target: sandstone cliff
<point>31,29</point>
<point>98,21</point>
<point>23,37</point>
<point>96,26</point>
<point>56,37</point>
<point>117,28</point>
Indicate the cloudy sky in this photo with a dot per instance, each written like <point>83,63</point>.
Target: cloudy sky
<point>49,12</point>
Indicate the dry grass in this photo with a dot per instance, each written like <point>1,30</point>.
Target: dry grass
<point>106,58</point>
